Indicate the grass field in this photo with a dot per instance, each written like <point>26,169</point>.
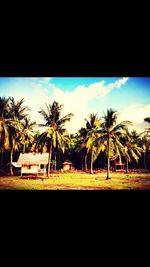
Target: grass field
<point>78,181</point>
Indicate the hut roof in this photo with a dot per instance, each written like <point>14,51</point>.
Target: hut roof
<point>33,158</point>
<point>67,162</point>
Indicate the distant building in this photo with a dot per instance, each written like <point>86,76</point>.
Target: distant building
<point>32,163</point>
<point>67,165</point>
<point>116,164</point>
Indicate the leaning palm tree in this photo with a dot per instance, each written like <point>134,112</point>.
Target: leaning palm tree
<point>112,132</point>
<point>53,136</point>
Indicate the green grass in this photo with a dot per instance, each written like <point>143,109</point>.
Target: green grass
<point>78,180</point>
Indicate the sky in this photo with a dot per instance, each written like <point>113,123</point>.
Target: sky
<point>130,97</point>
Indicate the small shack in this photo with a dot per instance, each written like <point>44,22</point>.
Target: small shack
<point>67,165</point>
<point>33,163</point>
<point>116,164</point>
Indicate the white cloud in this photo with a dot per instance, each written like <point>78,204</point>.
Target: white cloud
<point>47,78</point>
<point>75,102</point>
<point>118,83</point>
<point>136,113</point>
<point>42,79</point>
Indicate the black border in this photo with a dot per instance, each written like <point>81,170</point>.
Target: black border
<point>78,204</point>
<point>75,69</point>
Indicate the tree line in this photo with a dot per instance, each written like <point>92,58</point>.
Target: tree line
<point>101,137</point>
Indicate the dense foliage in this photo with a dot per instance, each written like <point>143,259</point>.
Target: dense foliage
<point>91,148</point>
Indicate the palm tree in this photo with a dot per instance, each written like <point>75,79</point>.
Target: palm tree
<point>4,122</point>
<point>86,138</point>
<point>112,131</point>
<point>16,110</point>
<point>14,141</point>
<point>80,146</point>
<point>92,126</point>
<point>16,113</point>
<point>132,148</point>
<point>27,130</point>
<point>144,143</point>
<point>53,136</point>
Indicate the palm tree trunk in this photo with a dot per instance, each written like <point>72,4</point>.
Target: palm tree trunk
<point>104,162</point>
<point>11,160</point>
<point>59,163</point>
<point>86,169</point>
<point>24,148</point>
<point>2,159</point>
<point>82,159</point>
<point>92,162</point>
<point>55,163</point>
<point>127,166</point>
<point>134,163</point>
<point>108,159</point>
<point>145,160</point>
<point>49,159</point>
<point>82,162</point>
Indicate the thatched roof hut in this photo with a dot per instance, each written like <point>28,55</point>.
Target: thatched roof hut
<point>33,158</point>
<point>116,163</point>
<point>67,165</point>
<point>33,163</point>
<point>67,162</point>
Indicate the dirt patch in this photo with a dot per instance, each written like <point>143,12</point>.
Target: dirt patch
<point>71,187</point>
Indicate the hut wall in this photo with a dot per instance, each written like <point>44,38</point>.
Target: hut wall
<point>66,167</point>
<point>33,169</point>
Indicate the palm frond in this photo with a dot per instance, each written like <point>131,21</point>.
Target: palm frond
<point>147,119</point>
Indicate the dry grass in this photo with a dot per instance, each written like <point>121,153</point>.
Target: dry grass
<point>79,181</point>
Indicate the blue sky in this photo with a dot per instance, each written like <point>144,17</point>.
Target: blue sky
<point>82,96</point>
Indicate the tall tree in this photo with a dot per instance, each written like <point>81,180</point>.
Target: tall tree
<point>17,112</point>
<point>4,122</point>
<point>112,132</point>
<point>80,146</point>
<point>92,126</point>
<point>132,149</point>
<point>144,143</point>
<point>86,138</point>
<point>55,129</point>
<point>27,133</point>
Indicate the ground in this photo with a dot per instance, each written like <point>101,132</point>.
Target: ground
<point>78,181</point>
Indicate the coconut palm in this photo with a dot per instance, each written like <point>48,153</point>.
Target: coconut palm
<point>132,148</point>
<point>111,133</point>
<point>27,133</point>
<point>53,136</point>
<point>92,127</point>
<point>14,142</point>
<point>16,113</point>
<point>16,109</point>
<point>80,146</point>
<point>144,143</point>
<point>86,140</point>
<point>4,122</point>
